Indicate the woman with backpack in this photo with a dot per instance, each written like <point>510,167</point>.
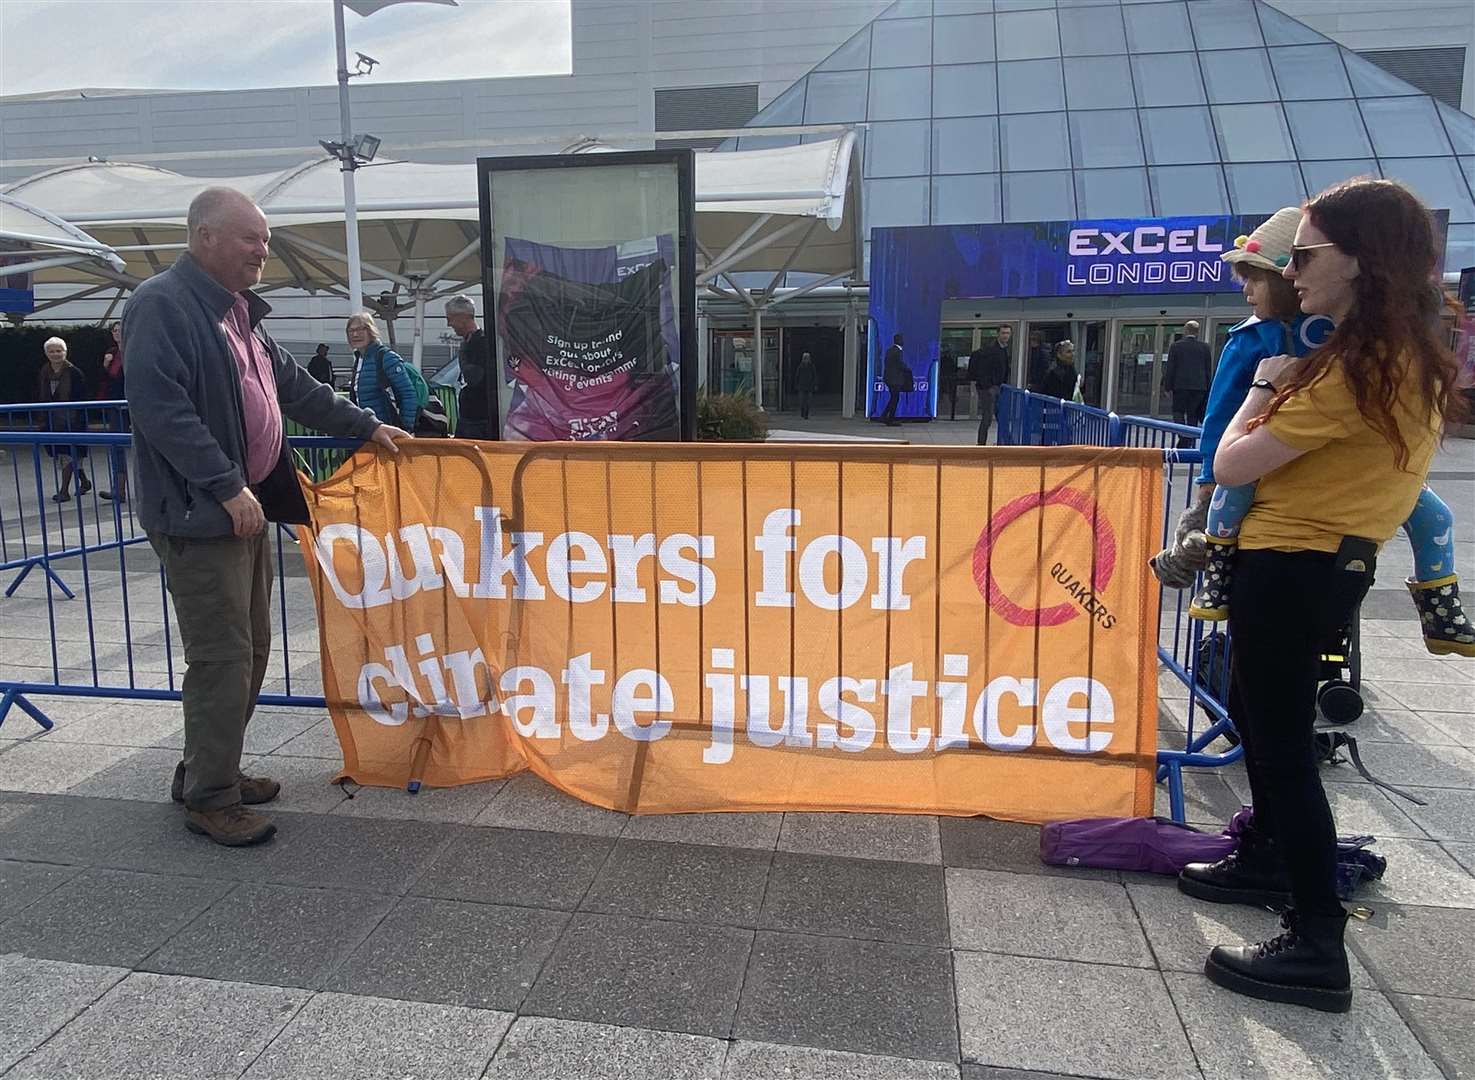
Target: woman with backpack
<point>381,379</point>
<point>1337,444</point>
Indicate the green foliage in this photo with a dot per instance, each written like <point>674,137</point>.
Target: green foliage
<point>730,416</point>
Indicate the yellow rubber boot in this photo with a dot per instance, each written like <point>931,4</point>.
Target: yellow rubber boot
<point>1212,602</point>
<point>1447,629</point>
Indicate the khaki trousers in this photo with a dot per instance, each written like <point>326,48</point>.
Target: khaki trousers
<point>222,598</point>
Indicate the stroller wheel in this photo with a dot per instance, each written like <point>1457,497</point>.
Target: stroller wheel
<point>1339,702</point>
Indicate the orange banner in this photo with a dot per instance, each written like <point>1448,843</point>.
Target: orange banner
<point>703,627</point>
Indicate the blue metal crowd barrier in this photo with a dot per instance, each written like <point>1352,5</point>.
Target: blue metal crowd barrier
<point>1199,660</point>
<point>99,623</point>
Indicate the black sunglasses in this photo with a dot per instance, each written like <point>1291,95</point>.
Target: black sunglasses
<point>1301,255</point>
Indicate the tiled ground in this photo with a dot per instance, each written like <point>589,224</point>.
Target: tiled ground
<point>507,931</point>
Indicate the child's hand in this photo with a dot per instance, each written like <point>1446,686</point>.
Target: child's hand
<point>1279,369</point>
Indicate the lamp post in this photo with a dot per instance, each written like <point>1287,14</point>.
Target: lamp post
<point>351,151</point>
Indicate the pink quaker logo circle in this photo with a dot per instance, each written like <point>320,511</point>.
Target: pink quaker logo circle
<point>988,587</point>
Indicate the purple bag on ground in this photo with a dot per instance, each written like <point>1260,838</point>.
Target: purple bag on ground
<point>1156,845</point>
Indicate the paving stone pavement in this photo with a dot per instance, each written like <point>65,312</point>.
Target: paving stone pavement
<point>507,931</point>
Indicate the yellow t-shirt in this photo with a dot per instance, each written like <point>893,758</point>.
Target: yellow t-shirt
<point>1347,482</point>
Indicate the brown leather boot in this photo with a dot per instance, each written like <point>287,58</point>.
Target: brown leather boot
<point>255,790</point>
<point>232,826</point>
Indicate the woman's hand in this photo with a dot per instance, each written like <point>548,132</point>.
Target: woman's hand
<point>1279,369</point>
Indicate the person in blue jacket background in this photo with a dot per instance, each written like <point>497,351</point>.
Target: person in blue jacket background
<point>393,398</point>
<point>1208,529</point>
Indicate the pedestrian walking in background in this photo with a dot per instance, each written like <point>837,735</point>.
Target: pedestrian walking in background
<point>320,367</point>
<point>115,388</point>
<point>988,367</point>
<point>58,381</point>
<point>898,378</point>
<point>1187,375</point>
<point>473,419</point>
<point>207,389</point>
<point>380,383</point>
<point>804,380</point>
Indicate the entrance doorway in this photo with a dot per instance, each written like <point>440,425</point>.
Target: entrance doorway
<point>730,362</point>
<point>826,347</point>
<point>955,345</point>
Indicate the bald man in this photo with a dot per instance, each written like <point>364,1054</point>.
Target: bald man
<point>207,389</point>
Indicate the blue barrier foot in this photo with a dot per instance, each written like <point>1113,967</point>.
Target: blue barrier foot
<point>15,697</point>
<point>413,787</point>
<point>60,584</point>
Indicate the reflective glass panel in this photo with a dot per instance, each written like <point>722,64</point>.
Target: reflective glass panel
<point>1022,5</point>
<point>1439,182</point>
<point>1460,126</point>
<point>900,93</point>
<point>898,148</point>
<point>1099,82</point>
<point>901,43</point>
<point>1327,129</point>
<point>1404,127</point>
<point>1321,175</point>
<point>1459,249</point>
<point>907,9</point>
<point>962,39</point>
<point>965,200</point>
<point>853,55</point>
<point>1027,35</point>
<point>1264,188</point>
<point>1253,133</point>
<point>964,90</point>
<point>1038,196</point>
<point>1168,79</point>
<point>896,202</point>
<point>1236,75</point>
<point>1094,31</point>
<point>1112,193</point>
<point>1157,27</point>
<point>968,144</point>
<point>1369,80</point>
<point>1105,138</point>
<point>1031,86</point>
<point>1036,141</point>
<point>835,97</point>
<point>1280,29</point>
<point>1468,164</point>
<point>1179,136</point>
<point>1188,189</point>
<point>1305,72</point>
<point>962,7</point>
<point>1224,24</point>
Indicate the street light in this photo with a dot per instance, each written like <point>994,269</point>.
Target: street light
<point>349,150</point>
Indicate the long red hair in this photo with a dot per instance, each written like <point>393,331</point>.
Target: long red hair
<point>1391,337</point>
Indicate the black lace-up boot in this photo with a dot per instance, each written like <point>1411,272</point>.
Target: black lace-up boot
<point>1254,873</point>
<point>1306,964</point>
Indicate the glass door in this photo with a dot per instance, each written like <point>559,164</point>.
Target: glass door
<point>1139,368</point>
<point>1091,353</point>
<point>955,344</point>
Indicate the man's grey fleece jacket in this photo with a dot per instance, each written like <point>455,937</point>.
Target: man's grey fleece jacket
<point>184,400</point>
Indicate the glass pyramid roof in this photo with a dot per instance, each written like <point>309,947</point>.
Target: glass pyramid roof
<point>981,111</point>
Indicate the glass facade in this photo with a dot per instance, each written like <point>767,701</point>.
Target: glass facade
<point>1027,110</point>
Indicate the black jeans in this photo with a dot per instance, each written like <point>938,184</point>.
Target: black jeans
<point>1283,609</point>
<point>889,415</point>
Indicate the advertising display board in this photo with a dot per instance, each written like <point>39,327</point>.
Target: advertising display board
<point>589,282</point>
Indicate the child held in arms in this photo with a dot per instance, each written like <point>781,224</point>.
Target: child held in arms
<point>1207,533</point>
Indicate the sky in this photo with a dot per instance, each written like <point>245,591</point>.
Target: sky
<point>234,44</point>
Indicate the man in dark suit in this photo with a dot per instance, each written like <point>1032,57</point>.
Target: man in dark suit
<point>988,367</point>
<point>1187,375</point>
<point>898,380</point>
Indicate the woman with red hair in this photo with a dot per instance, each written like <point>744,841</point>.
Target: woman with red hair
<point>1339,442</point>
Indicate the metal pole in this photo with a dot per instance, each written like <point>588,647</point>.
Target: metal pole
<point>419,349</point>
<point>350,204</point>
<point>758,356</point>
<point>847,367</point>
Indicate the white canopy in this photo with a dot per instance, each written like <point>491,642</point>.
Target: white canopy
<point>34,240</point>
<point>757,210</point>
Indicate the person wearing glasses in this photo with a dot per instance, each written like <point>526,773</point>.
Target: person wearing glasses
<point>1337,444</point>
<point>1210,528</point>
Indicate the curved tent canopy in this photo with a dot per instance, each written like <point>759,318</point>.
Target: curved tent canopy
<point>36,241</point>
<point>788,209</point>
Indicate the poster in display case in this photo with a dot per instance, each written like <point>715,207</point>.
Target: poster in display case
<point>589,284</point>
